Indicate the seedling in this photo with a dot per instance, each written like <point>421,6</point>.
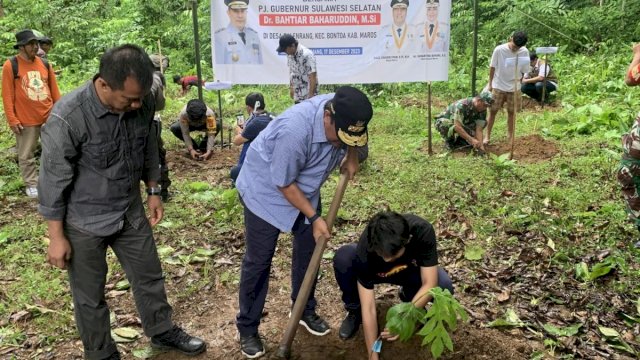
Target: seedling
<point>442,317</point>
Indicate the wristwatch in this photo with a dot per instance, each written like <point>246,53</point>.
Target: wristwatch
<point>154,190</point>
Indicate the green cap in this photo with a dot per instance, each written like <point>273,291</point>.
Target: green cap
<point>486,97</point>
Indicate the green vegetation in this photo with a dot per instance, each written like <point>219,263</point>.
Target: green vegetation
<point>545,246</point>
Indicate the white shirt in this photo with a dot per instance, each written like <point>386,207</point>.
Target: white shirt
<point>504,61</point>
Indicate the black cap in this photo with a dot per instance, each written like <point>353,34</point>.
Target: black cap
<point>196,109</point>
<point>400,3</point>
<point>433,2</point>
<point>352,111</point>
<point>237,4</point>
<point>45,40</point>
<point>286,40</point>
<point>23,37</point>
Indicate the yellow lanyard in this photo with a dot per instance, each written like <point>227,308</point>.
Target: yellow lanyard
<point>430,38</point>
<point>396,40</point>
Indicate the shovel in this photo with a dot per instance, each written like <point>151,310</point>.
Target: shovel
<point>284,350</point>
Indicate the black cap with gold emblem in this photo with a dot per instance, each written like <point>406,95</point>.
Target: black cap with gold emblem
<point>433,2</point>
<point>352,111</point>
<point>399,3</point>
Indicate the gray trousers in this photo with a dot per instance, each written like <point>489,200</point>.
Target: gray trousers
<point>136,251</point>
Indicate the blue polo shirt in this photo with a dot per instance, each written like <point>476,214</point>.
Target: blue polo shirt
<point>293,148</point>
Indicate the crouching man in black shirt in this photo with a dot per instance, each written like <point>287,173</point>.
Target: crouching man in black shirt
<point>395,249</point>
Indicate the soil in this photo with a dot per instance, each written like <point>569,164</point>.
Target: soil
<point>528,149</point>
<point>210,311</point>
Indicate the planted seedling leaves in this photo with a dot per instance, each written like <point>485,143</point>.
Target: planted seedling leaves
<point>562,331</point>
<point>208,252</point>
<point>473,252</point>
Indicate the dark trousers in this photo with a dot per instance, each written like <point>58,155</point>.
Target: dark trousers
<point>235,172</point>
<point>409,279</point>
<point>261,238</point>
<point>177,132</point>
<point>136,251</point>
<point>534,91</point>
<point>165,182</point>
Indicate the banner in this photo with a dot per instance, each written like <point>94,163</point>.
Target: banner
<point>354,41</point>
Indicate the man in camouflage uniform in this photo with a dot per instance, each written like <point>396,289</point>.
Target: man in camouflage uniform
<point>629,170</point>
<point>461,124</point>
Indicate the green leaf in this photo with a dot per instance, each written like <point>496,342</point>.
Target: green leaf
<point>562,331</point>
<point>510,319</point>
<point>165,250</point>
<point>172,260</point>
<point>166,224</point>
<point>123,285</point>
<point>198,186</point>
<point>146,352</point>
<point>328,255</point>
<point>601,269</point>
<point>582,271</point>
<point>608,332</point>
<point>473,252</point>
<point>436,348</point>
<point>207,252</point>
<point>125,335</point>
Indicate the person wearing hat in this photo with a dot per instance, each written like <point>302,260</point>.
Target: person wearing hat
<point>397,249</point>
<point>279,186</point>
<point>627,173</point>
<point>462,122</point>
<point>303,76</point>
<point>534,80</point>
<point>197,116</point>
<point>28,99</point>
<point>433,35</point>
<point>45,45</point>
<point>503,79</point>
<point>237,43</point>
<point>399,37</point>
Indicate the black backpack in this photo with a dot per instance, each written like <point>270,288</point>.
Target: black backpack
<point>14,65</point>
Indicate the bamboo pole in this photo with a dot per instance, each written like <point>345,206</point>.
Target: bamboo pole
<point>515,106</point>
<point>429,117</point>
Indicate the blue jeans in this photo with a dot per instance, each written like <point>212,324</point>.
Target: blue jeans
<point>534,91</point>
<point>409,279</point>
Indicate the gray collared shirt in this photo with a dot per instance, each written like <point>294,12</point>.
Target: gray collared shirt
<point>92,162</point>
<point>292,149</point>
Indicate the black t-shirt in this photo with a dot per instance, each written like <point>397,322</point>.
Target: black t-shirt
<point>420,251</point>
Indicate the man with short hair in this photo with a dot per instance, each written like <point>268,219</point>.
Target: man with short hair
<point>248,131</point>
<point>279,185</point>
<point>186,82</point>
<point>303,76</point>
<point>197,116</point>
<point>433,36</point>
<point>504,79</point>
<point>96,146</point>
<point>237,43</point>
<point>28,99</point>
<point>394,249</point>
<point>45,45</point>
<point>399,36</point>
<point>462,122</point>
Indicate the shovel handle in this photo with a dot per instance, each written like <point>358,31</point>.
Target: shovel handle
<point>284,350</point>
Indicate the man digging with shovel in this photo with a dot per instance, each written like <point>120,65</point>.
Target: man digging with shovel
<point>279,185</point>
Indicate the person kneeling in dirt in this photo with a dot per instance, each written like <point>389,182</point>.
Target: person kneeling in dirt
<point>246,132</point>
<point>462,122</point>
<point>196,116</point>
<point>629,170</point>
<point>534,81</point>
<point>393,249</point>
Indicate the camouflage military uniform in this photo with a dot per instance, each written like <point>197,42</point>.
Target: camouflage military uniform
<point>629,171</point>
<point>466,114</point>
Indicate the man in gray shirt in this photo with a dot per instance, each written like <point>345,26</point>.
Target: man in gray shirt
<point>96,146</point>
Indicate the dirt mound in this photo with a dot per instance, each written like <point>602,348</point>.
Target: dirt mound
<point>527,149</point>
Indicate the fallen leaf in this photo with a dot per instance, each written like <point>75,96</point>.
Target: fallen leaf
<point>125,334</point>
<point>473,252</point>
<point>20,315</point>
<point>123,285</point>
<point>507,193</point>
<point>504,296</point>
<point>146,353</point>
<point>113,293</point>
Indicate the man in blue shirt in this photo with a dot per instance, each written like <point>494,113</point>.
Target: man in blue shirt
<point>246,132</point>
<point>279,184</point>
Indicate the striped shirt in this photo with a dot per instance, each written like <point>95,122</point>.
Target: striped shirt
<point>292,149</point>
